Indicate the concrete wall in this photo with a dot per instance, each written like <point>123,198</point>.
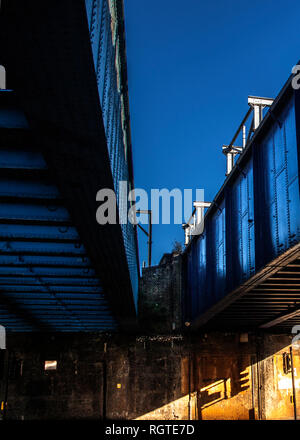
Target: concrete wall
<point>212,376</point>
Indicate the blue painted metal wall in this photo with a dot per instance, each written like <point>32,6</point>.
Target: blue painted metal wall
<point>44,267</point>
<point>277,183</point>
<point>240,220</point>
<point>254,218</point>
<point>105,40</point>
<point>44,263</point>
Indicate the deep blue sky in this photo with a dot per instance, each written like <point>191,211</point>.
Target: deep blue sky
<point>191,67</point>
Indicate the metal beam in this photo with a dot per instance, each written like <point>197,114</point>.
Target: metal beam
<point>148,234</point>
<point>283,260</point>
<point>24,315</point>
<point>284,317</point>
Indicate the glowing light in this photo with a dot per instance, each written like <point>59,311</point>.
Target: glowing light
<point>50,365</point>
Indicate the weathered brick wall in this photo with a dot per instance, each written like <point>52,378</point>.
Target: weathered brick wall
<point>160,298</point>
<point>276,385</point>
<point>97,375</point>
<point>213,376</point>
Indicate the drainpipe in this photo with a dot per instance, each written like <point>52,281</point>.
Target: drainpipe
<point>188,325</point>
<point>190,368</point>
<point>293,383</point>
<point>104,389</point>
<point>253,359</point>
<point>8,361</point>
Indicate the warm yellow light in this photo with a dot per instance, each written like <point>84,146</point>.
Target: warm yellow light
<point>50,365</point>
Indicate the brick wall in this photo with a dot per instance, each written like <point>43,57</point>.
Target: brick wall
<point>160,298</point>
<point>213,376</point>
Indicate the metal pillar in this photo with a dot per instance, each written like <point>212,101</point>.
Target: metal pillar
<point>293,383</point>
<point>2,78</point>
<point>186,228</point>
<point>200,207</point>
<point>195,223</point>
<point>230,162</point>
<point>230,152</point>
<point>149,234</point>
<point>258,104</point>
<point>244,136</point>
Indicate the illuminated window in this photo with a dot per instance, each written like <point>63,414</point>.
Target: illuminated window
<point>50,365</point>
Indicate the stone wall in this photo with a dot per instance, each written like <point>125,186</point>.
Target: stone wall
<point>213,376</point>
<point>162,373</point>
<point>160,298</point>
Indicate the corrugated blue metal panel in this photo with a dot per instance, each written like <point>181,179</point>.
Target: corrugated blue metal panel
<point>18,211</point>
<point>257,220</point>
<point>198,275</point>
<point>240,224</point>
<point>56,261</point>
<point>277,219</point>
<point>217,254</point>
<point>202,272</point>
<point>44,271</point>
<point>44,268</point>
<point>64,291</point>
<point>194,285</point>
<point>40,248</point>
<point>12,118</point>
<point>27,159</point>
<point>28,189</point>
<point>107,61</point>
<point>38,232</point>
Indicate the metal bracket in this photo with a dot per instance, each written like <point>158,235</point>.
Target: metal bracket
<point>148,234</point>
<point>195,225</point>
<point>257,105</point>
